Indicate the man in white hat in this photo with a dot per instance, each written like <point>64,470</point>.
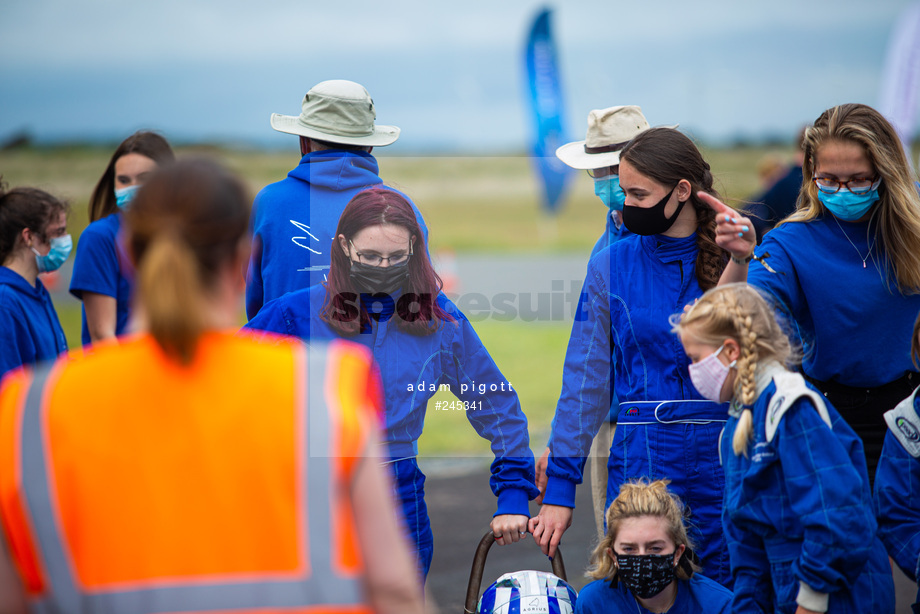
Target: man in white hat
<point>609,131</point>
<point>294,220</point>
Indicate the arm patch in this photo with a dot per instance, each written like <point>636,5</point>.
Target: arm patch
<point>904,424</point>
<point>790,387</point>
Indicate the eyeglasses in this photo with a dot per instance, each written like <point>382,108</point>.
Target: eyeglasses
<point>856,185</point>
<point>376,259</point>
<point>597,173</point>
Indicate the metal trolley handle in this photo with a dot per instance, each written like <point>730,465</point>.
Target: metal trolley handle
<point>479,563</point>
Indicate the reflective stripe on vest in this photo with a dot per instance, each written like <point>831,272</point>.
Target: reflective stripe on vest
<point>321,587</point>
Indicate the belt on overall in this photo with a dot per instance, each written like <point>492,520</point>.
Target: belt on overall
<point>671,412</point>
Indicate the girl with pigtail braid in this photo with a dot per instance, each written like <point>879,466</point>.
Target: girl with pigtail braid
<point>798,514</point>
<point>747,364</point>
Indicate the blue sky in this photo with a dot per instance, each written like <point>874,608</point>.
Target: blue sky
<point>449,74</point>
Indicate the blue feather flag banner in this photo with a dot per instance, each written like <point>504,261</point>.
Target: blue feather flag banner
<point>547,110</point>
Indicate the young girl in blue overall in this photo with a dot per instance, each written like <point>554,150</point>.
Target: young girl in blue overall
<point>897,482</point>
<point>798,512</point>
<point>621,344</point>
<point>643,563</point>
<point>383,292</point>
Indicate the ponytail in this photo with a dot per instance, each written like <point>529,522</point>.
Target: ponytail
<point>169,282</point>
<point>184,228</point>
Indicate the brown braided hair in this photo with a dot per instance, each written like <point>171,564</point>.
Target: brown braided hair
<point>667,156</point>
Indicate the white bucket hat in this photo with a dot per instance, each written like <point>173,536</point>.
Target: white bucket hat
<point>609,131</point>
<point>337,111</point>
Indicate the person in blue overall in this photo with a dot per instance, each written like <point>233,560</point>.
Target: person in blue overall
<point>621,345</point>
<point>845,267</point>
<point>33,240</point>
<point>293,220</point>
<point>643,563</point>
<point>609,130</point>
<point>897,482</point>
<point>102,276</point>
<point>382,292</point>
<point>798,513</point>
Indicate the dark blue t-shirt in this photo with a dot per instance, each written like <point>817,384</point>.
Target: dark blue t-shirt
<point>101,266</point>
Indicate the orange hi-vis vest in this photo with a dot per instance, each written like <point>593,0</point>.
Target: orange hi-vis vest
<point>130,483</point>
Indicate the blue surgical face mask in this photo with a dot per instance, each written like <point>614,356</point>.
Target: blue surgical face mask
<point>124,196</point>
<point>52,261</point>
<point>608,190</point>
<point>848,206</point>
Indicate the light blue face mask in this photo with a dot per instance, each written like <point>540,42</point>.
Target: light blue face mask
<point>608,190</point>
<point>52,261</point>
<point>124,196</point>
<point>848,206</point>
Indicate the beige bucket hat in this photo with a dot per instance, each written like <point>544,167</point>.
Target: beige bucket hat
<point>337,111</point>
<point>609,130</point>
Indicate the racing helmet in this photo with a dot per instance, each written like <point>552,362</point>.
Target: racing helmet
<point>528,592</point>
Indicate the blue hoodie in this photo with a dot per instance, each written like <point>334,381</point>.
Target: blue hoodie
<point>29,327</point>
<point>294,221</point>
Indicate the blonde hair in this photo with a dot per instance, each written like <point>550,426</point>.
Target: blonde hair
<point>186,223</point>
<point>643,498</point>
<point>739,312</point>
<point>899,203</point>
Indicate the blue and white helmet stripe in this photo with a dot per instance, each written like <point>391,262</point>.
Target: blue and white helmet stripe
<point>528,592</point>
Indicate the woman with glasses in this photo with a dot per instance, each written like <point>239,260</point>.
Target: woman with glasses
<point>383,292</point>
<point>845,266</point>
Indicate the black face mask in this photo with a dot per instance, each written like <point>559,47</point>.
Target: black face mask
<point>650,221</point>
<point>377,279</point>
<point>645,575</point>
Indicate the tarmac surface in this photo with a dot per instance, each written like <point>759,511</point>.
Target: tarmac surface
<point>461,504</point>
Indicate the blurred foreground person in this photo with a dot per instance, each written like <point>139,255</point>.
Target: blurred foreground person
<point>33,240</point>
<point>189,469</point>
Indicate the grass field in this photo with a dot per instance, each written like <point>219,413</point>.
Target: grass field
<point>471,204</point>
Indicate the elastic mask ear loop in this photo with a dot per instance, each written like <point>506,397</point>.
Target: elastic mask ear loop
<point>732,364</point>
